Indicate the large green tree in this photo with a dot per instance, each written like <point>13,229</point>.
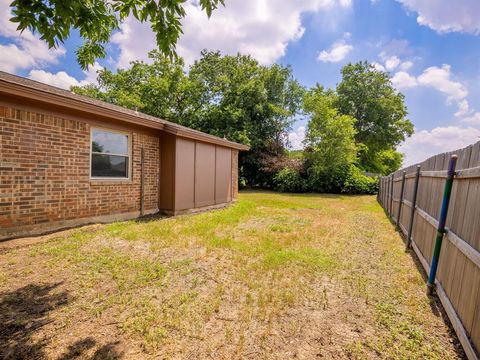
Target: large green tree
<point>330,141</point>
<point>249,103</point>
<point>367,95</point>
<point>95,20</point>
<point>228,96</point>
<point>159,88</point>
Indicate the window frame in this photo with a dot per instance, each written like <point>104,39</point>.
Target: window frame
<point>129,155</point>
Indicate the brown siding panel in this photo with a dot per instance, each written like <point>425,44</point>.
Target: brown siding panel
<point>185,174</point>
<point>223,175</point>
<point>234,174</point>
<point>167,172</point>
<point>204,174</point>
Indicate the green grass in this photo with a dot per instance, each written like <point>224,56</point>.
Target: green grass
<point>272,276</point>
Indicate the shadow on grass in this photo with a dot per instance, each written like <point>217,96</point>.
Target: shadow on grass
<point>108,351</point>
<point>24,313</point>
<point>152,217</point>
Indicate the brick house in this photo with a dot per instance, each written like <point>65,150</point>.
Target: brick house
<point>68,160</point>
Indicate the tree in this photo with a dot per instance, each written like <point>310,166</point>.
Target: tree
<point>160,88</point>
<point>233,97</point>
<point>367,95</point>
<point>249,103</point>
<point>97,19</point>
<point>330,141</point>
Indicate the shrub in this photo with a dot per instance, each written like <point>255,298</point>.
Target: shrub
<point>289,180</point>
<point>358,183</point>
<point>327,179</point>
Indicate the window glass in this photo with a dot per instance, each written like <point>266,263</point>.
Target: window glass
<point>109,157</point>
<point>109,166</point>
<point>109,142</point>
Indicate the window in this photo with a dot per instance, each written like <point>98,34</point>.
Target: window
<point>110,154</point>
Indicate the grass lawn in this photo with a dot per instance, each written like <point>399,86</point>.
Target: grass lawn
<point>274,276</point>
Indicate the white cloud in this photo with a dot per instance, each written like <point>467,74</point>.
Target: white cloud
<point>403,80</point>
<point>473,119</point>
<point>392,62</point>
<point>424,144</point>
<point>440,79</point>
<point>406,65</point>
<point>378,66</point>
<point>296,138</point>
<point>447,15</point>
<point>391,55</point>
<point>62,80</point>
<point>25,50</point>
<point>463,108</point>
<point>337,52</point>
<point>261,28</point>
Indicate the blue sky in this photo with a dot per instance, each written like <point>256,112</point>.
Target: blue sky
<point>431,49</point>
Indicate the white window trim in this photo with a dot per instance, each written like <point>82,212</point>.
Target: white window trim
<point>119,179</point>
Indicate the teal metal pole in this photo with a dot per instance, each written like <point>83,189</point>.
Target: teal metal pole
<point>400,200</point>
<point>414,203</point>
<point>441,223</point>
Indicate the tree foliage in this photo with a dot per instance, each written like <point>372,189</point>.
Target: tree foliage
<point>330,141</point>
<point>232,97</point>
<point>95,20</point>
<point>249,103</point>
<point>367,95</point>
<point>352,129</point>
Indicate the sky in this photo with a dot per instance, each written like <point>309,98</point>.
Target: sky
<point>431,49</point>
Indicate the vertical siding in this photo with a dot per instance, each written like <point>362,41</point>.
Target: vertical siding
<point>185,174</point>
<point>234,174</point>
<point>167,172</point>
<point>223,175</point>
<point>204,174</point>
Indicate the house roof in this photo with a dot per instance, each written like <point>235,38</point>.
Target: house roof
<point>26,88</point>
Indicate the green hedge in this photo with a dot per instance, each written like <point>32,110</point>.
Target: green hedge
<point>352,181</point>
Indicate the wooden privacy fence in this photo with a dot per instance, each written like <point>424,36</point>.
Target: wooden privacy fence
<point>412,197</point>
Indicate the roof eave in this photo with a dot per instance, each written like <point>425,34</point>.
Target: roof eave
<point>197,135</point>
<point>39,95</point>
<point>62,101</point>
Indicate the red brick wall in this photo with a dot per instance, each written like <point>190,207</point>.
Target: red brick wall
<point>44,172</point>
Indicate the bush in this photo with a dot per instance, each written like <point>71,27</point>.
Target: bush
<point>358,183</point>
<point>289,180</point>
<point>327,180</point>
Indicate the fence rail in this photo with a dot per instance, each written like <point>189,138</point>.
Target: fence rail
<point>412,197</point>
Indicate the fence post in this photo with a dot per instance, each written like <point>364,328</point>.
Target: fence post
<point>391,195</point>
<point>379,188</point>
<point>441,223</point>
<point>383,192</point>
<point>400,201</point>
<point>414,203</point>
